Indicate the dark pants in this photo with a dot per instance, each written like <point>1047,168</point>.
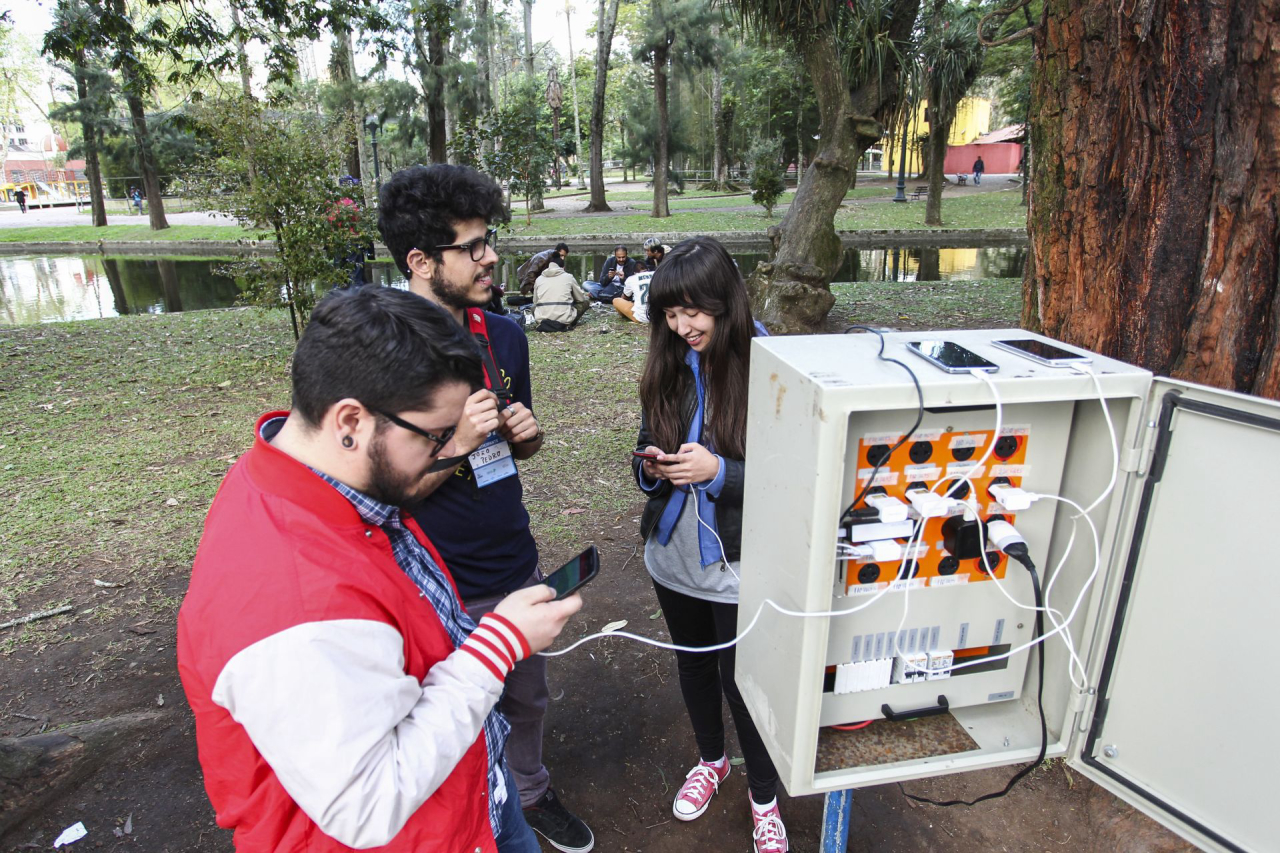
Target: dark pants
<point>524,704</point>
<point>516,836</point>
<point>707,676</point>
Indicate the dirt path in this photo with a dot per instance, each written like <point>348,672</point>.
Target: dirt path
<point>617,739</point>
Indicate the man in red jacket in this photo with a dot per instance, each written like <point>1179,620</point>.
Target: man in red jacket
<point>342,696</point>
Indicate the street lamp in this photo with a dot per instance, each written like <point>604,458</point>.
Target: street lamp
<point>371,122</point>
<point>902,171</point>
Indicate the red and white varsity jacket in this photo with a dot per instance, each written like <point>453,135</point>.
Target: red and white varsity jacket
<point>332,711</point>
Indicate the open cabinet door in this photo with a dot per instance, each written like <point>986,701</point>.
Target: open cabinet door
<point>1186,723</point>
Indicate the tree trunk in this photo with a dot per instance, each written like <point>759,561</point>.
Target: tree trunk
<point>357,114</point>
<point>605,24</point>
<point>791,292</point>
<point>242,56</point>
<point>661,155</point>
<point>142,138</point>
<point>1154,221</point>
<point>939,133</point>
<point>573,82</point>
<point>719,164</point>
<point>429,43</point>
<point>92,171</point>
<point>37,769</point>
<point>528,36</point>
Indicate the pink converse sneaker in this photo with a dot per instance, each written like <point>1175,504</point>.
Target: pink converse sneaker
<point>770,835</point>
<point>700,785</point>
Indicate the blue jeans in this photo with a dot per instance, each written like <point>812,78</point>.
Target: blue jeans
<point>977,178</point>
<point>516,836</point>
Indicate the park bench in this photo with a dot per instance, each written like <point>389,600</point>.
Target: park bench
<point>921,190</point>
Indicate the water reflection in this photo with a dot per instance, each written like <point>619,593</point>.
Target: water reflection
<point>71,287</point>
<point>36,289</point>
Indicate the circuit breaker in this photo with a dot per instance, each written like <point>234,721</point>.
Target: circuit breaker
<point>886,600</point>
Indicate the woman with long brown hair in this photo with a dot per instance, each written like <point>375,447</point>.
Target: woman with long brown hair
<point>694,400</point>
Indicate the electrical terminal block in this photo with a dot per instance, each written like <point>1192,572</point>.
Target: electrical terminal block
<point>910,667</point>
<point>1012,498</point>
<point>940,663</point>
<point>890,508</point>
<point>863,675</point>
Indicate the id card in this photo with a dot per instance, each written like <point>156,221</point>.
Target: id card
<point>491,461</point>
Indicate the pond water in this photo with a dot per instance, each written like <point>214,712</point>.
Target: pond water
<point>52,288</point>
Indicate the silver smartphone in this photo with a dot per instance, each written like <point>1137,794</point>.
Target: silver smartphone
<point>951,357</point>
<point>1044,353</point>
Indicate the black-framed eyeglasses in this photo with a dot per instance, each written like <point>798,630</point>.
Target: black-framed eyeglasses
<point>477,246</point>
<point>440,440</point>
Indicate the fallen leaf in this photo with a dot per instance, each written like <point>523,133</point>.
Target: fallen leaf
<point>614,626</point>
<point>573,511</point>
<point>141,631</point>
<point>226,384</point>
<point>656,613</point>
<point>737,760</point>
<point>128,824</point>
<point>171,502</point>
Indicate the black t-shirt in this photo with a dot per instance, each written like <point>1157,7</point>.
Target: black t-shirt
<point>483,533</point>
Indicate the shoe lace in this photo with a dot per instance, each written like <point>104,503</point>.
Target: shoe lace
<point>769,832</point>
<point>697,782</point>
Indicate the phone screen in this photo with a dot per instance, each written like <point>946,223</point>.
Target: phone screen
<point>951,355</point>
<point>574,574</point>
<point>1042,350</point>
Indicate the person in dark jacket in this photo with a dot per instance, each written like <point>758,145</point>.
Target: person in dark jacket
<point>978,168</point>
<point>613,275</point>
<point>20,196</point>
<point>693,397</point>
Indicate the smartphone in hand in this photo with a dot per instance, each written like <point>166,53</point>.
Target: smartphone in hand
<point>652,457</point>
<point>575,574</point>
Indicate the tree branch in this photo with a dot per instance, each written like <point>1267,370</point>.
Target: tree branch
<point>1000,14</point>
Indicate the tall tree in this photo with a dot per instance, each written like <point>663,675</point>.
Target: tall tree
<point>1154,222</point>
<point>528,37</point>
<point>606,21</point>
<point>93,101</point>
<point>135,81</point>
<point>952,57</point>
<point>573,83</point>
<point>676,37</point>
<point>852,52</point>
<point>432,28</point>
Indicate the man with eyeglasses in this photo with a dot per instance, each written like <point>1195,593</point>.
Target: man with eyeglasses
<point>435,221</point>
<point>342,696</point>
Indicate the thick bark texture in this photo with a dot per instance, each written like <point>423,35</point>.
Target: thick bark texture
<point>146,161</point>
<point>662,154</point>
<point>1155,218</point>
<point>939,132</point>
<point>719,166</point>
<point>92,171</point>
<point>357,116</point>
<point>37,769</point>
<point>791,292</point>
<point>431,49</point>
<point>605,23</point>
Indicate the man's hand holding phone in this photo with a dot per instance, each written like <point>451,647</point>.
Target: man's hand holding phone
<point>539,617</point>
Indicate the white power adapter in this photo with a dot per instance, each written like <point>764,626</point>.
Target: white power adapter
<point>1011,498</point>
<point>927,504</point>
<point>890,508</point>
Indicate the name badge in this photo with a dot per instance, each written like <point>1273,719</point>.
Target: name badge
<point>491,461</point>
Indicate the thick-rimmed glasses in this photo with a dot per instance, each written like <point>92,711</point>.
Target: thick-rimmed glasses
<point>440,440</point>
<point>477,246</point>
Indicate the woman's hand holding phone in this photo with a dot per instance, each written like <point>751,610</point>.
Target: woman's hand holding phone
<point>692,463</point>
<point>654,469</point>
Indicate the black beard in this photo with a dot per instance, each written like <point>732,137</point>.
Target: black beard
<point>457,298</point>
<point>387,485</point>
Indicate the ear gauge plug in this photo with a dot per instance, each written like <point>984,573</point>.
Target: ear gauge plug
<point>348,442</point>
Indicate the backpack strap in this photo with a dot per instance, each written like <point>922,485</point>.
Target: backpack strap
<point>492,375</point>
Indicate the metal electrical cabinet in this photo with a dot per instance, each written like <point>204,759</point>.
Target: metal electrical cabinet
<point>1173,711</point>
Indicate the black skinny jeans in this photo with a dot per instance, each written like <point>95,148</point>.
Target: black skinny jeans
<point>705,677</point>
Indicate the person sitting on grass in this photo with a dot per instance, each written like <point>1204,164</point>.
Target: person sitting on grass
<point>634,301</point>
<point>654,252</point>
<point>528,272</point>
<point>613,275</point>
<point>558,300</point>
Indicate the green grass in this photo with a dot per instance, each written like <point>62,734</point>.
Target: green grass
<point>141,232</point>
<point>983,303</point>
<point>981,210</point>
<point>640,223</point>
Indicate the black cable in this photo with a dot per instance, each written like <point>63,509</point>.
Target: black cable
<point>848,513</point>
<point>1023,557</point>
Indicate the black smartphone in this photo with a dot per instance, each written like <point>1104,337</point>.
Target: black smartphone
<point>1042,351</point>
<point>575,574</point>
<point>951,357</point>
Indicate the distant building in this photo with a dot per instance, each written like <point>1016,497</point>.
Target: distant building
<point>973,119</point>
<point>39,165</point>
<point>1000,150</point>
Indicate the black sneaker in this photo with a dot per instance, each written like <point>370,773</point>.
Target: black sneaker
<point>549,818</point>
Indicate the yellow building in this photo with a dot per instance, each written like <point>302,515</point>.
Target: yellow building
<point>973,119</point>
